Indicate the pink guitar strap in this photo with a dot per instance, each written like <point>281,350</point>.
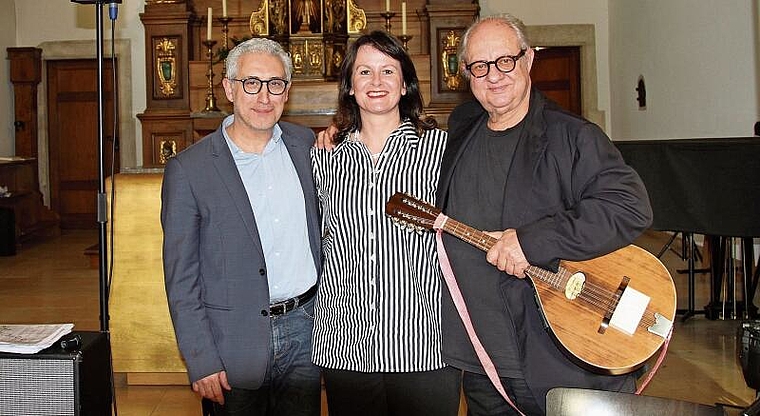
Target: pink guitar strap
<point>456,296</point>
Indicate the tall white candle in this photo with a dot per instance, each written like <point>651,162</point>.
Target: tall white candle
<point>208,25</point>
<point>403,18</point>
<point>387,5</point>
<point>224,8</point>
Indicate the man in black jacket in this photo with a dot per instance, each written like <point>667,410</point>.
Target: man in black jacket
<point>556,186</point>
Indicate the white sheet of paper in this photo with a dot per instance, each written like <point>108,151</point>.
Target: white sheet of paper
<point>629,311</point>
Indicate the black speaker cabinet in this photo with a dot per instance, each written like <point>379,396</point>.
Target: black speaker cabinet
<point>58,382</point>
<point>748,347</point>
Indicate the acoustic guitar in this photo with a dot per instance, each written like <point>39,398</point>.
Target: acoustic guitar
<point>609,314</point>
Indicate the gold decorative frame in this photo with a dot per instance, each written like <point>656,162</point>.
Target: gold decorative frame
<point>450,62</point>
<point>307,57</point>
<point>167,149</point>
<point>166,66</point>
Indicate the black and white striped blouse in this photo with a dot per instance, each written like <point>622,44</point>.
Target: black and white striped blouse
<point>378,305</point>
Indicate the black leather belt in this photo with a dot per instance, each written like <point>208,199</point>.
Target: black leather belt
<point>288,305</point>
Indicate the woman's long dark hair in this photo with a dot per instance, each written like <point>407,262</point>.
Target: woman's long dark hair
<point>348,118</point>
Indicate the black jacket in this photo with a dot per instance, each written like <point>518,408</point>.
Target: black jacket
<point>570,196</point>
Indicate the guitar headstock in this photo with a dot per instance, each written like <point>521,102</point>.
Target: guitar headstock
<point>411,211</point>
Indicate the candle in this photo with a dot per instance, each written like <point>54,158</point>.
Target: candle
<point>224,8</point>
<point>403,18</point>
<point>208,25</point>
<point>387,5</point>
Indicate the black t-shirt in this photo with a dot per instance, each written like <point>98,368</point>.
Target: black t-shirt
<point>476,198</point>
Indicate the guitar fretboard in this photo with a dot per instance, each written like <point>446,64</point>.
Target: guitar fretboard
<point>484,242</point>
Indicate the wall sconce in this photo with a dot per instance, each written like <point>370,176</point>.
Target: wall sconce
<point>641,89</point>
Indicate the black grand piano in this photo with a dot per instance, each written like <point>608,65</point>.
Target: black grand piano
<point>705,186</point>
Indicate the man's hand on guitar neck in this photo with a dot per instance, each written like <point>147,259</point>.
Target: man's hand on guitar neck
<point>506,254</point>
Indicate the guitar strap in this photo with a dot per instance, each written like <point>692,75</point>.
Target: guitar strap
<point>456,296</point>
<point>660,358</point>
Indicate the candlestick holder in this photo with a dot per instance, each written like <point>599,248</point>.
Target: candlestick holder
<point>210,97</point>
<point>404,40</point>
<point>225,40</point>
<point>388,16</point>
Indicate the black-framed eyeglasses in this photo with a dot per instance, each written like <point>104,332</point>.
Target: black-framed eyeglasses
<point>505,64</point>
<point>252,85</point>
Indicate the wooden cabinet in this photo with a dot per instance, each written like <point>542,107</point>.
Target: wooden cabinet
<point>19,175</point>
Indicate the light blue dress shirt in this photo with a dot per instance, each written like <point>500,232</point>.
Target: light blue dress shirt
<point>276,196</point>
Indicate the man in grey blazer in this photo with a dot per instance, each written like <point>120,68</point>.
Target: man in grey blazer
<point>242,248</point>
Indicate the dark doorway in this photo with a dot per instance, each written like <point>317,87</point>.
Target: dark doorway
<point>557,72</point>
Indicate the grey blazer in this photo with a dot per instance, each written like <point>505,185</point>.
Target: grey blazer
<point>214,268</point>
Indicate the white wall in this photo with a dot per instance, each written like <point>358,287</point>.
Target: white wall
<point>7,39</point>
<point>698,58</point>
<point>555,12</point>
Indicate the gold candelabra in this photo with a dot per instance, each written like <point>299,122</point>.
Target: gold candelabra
<point>225,30</point>
<point>405,40</point>
<point>388,16</point>
<point>225,40</point>
<point>210,98</point>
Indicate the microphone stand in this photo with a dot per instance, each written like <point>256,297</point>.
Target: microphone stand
<point>102,216</point>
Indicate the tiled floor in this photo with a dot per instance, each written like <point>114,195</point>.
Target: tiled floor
<point>49,280</point>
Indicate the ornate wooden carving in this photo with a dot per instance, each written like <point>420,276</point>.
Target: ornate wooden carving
<point>447,24</point>
<point>167,56</point>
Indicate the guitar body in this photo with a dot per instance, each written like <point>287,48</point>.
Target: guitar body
<point>575,325</point>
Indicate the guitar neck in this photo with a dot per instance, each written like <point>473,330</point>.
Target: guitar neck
<point>468,234</point>
<point>484,242</point>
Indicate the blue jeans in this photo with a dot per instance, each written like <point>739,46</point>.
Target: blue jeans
<point>484,400</point>
<point>292,384</point>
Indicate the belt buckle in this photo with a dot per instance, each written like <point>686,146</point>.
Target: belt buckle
<point>278,309</point>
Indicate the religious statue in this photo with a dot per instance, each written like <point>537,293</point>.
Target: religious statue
<point>306,16</point>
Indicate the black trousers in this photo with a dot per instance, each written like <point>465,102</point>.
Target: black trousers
<point>431,393</point>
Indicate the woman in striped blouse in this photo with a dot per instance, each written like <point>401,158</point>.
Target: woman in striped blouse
<point>377,333</point>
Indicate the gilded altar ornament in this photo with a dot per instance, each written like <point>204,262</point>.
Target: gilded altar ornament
<point>450,63</point>
<point>166,66</point>
<point>278,12</point>
<point>357,19</point>
<point>306,17</point>
<point>335,11</point>
<point>337,59</point>
<point>297,53</point>
<point>316,51</point>
<point>314,32</point>
<point>259,23</point>
<point>167,150</point>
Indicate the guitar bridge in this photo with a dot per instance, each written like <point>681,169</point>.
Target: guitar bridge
<point>661,325</point>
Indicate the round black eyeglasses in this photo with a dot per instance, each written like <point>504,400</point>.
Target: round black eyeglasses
<point>252,85</point>
<point>505,64</point>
